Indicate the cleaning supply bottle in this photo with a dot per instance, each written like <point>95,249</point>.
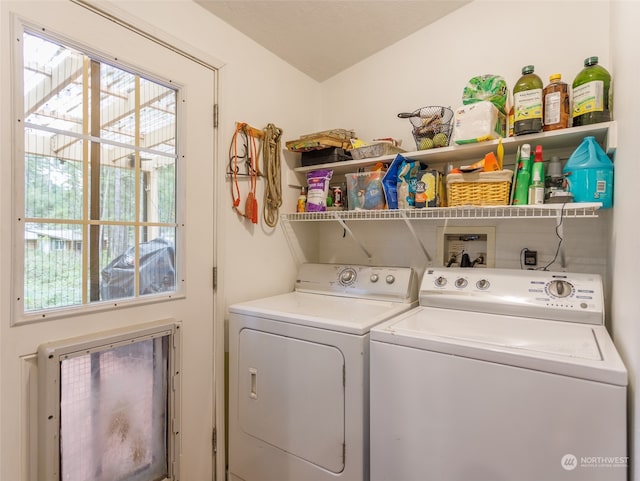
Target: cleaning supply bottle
<point>302,200</point>
<point>556,104</point>
<point>554,180</point>
<point>527,102</point>
<point>536,188</point>
<point>592,95</point>
<point>589,174</point>
<point>523,176</point>
<point>538,164</point>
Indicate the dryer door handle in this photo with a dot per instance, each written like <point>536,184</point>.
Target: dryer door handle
<point>253,383</point>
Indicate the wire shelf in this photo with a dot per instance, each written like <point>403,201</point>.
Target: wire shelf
<point>575,210</point>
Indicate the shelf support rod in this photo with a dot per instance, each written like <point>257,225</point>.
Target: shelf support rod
<point>297,254</point>
<point>560,232</point>
<point>415,235</point>
<point>352,235</point>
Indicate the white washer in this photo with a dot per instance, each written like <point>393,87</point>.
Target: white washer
<point>499,375</point>
<point>299,373</point>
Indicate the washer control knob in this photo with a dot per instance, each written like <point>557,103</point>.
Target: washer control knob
<point>461,282</point>
<point>374,278</point>
<point>560,288</point>
<point>440,281</point>
<point>482,284</point>
<point>347,277</point>
<point>390,279</point>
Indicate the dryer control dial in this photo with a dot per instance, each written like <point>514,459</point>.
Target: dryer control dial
<point>482,284</point>
<point>347,276</point>
<point>374,278</point>
<point>390,279</point>
<point>440,281</point>
<point>461,282</point>
<point>559,288</point>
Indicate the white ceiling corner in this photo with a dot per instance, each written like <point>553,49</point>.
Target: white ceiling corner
<point>323,37</point>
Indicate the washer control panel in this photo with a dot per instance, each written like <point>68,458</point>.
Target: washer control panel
<point>370,282</point>
<point>562,296</point>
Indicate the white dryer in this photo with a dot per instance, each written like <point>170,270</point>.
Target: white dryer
<point>499,375</point>
<point>299,373</point>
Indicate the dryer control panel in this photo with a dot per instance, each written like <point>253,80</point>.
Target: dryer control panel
<point>399,284</point>
<point>541,294</point>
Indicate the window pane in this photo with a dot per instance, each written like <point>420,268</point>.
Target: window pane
<point>113,413</point>
<point>159,190</point>
<point>100,162</point>
<point>52,84</point>
<point>53,187</point>
<point>117,105</point>
<point>53,265</point>
<point>156,270</point>
<point>117,189</point>
<point>158,117</point>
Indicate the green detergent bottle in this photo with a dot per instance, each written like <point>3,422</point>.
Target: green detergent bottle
<point>589,174</point>
<point>527,103</point>
<point>592,95</point>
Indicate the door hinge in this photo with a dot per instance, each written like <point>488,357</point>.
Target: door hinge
<point>214,440</point>
<point>215,278</point>
<point>215,116</point>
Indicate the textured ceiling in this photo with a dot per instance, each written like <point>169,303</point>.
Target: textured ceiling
<point>322,38</point>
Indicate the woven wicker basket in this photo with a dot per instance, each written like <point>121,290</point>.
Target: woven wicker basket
<point>479,188</point>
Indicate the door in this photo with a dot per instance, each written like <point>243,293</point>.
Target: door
<point>290,394</point>
<point>189,299</point>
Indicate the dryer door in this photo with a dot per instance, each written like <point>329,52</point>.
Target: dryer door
<point>291,395</point>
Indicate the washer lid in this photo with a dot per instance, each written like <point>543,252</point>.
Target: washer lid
<point>343,314</point>
<point>578,350</point>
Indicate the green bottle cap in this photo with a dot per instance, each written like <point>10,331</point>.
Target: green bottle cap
<point>527,69</point>
<point>590,61</point>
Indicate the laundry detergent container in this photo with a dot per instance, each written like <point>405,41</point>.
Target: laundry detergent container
<point>589,174</point>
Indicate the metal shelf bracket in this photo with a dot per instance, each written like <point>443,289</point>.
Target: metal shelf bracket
<point>352,235</point>
<point>415,235</point>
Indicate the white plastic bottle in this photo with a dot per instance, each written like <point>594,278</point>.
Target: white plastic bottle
<point>536,189</point>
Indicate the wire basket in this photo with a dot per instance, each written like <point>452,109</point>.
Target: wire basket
<point>431,138</point>
<point>431,126</point>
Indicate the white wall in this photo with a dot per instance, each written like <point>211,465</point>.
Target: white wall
<point>625,38</point>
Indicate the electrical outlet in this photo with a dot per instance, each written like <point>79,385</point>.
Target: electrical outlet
<point>530,258</point>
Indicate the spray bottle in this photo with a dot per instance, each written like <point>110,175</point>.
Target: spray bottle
<point>536,189</point>
<point>523,178</point>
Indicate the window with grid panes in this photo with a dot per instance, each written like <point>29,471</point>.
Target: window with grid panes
<point>98,214</point>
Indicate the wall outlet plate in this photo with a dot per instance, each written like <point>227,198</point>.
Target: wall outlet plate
<point>530,258</point>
